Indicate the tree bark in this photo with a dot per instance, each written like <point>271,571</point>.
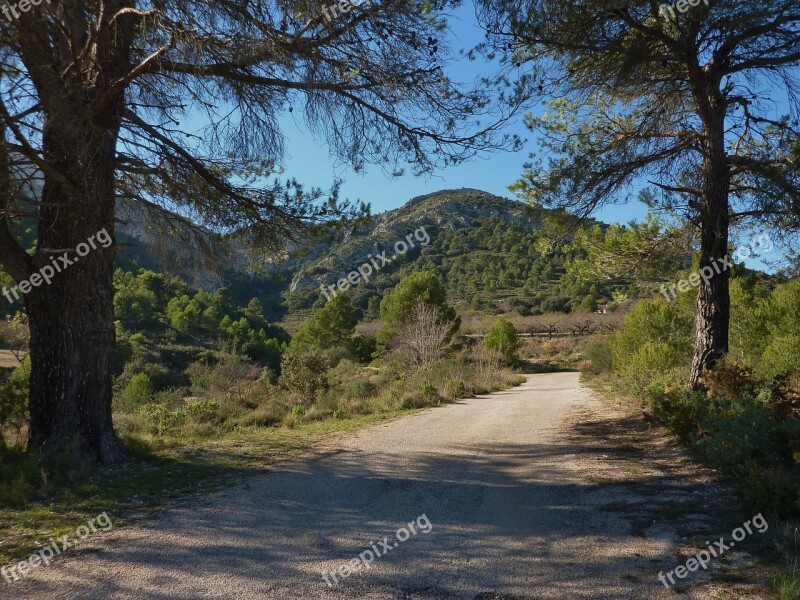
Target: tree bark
<point>72,337</point>
<point>72,318</point>
<point>712,316</point>
<point>82,99</point>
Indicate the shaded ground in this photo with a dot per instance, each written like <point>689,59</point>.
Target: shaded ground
<point>530,492</point>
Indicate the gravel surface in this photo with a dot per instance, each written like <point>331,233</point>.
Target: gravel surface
<point>507,489</point>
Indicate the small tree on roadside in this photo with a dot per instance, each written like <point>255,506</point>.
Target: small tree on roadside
<point>502,340</point>
<point>398,306</point>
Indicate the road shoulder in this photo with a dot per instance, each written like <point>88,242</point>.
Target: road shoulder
<point>665,494</point>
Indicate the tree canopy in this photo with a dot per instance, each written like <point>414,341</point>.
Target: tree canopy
<point>173,108</point>
<point>684,106</point>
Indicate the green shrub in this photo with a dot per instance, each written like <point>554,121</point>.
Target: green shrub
<point>305,372</point>
<point>220,376</point>
<point>455,389</point>
<point>782,355</point>
<point>138,338</point>
<point>599,353</point>
<point>739,434</point>
<point>650,367</point>
<point>429,391</point>
<point>159,419</point>
<point>204,411</point>
<point>648,323</point>
<point>364,347</point>
<point>787,585</point>
<point>739,431</point>
<point>503,341</point>
<point>680,410</point>
<point>361,389</point>
<point>267,415</point>
<point>138,392</point>
<point>764,489</point>
<point>27,476</point>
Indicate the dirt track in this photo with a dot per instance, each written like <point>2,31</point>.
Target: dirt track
<point>519,498</point>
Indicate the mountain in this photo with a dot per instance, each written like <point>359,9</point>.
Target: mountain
<point>488,250</point>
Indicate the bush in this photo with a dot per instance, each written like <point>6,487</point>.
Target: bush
<point>429,391</point>
<point>650,367</point>
<point>305,372</point>
<point>137,392</point>
<point>159,419</point>
<point>231,377</point>
<point>455,389</point>
<point>734,427</point>
<point>787,586</point>
<point>204,411</point>
<point>268,415</point>
<point>28,476</point>
<point>680,410</point>
<point>360,390</point>
<point>364,348</point>
<point>502,340</point>
<point>739,431</point>
<point>600,355</point>
<point>768,490</point>
<point>728,380</point>
<point>650,323</point>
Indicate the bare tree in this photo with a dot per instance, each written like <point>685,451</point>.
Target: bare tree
<point>489,362</point>
<point>586,327</point>
<point>426,335</point>
<point>175,106</point>
<point>550,328</point>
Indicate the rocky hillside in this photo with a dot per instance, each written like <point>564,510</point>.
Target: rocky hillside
<point>485,248</point>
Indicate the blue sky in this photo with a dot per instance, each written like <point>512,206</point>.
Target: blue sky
<point>309,161</point>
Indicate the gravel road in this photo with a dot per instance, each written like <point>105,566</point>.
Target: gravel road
<point>495,476</point>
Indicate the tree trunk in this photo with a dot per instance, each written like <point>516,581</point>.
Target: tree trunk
<point>712,316</point>
<point>80,67</point>
<point>72,318</point>
<point>72,337</point>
